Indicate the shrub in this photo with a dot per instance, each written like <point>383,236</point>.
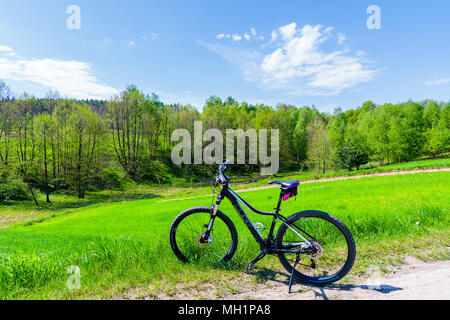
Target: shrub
<point>111,178</point>
<point>155,171</point>
<point>5,173</point>
<point>14,190</point>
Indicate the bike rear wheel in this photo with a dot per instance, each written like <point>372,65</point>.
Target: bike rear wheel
<point>331,252</point>
<point>188,243</point>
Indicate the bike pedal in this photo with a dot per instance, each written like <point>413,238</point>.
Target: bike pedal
<point>250,267</point>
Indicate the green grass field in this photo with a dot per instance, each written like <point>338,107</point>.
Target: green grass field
<point>14,213</point>
<point>124,244</point>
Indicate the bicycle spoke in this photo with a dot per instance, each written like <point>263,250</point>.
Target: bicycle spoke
<point>328,245</point>
<point>190,238</point>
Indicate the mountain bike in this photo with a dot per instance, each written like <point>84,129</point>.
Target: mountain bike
<point>313,246</point>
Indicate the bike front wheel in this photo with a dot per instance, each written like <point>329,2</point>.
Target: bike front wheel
<point>189,244</point>
<point>327,246</point>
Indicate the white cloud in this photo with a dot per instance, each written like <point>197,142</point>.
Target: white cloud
<point>152,36</point>
<point>436,82</point>
<point>274,36</point>
<point>295,61</point>
<point>288,31</point>
<point>5,49</point>
<point>341,38</point>
<point>236,37</point>
<point>130,43</point>
<point>70,78</point>
<point>8,51</point>
<point>246,60</point>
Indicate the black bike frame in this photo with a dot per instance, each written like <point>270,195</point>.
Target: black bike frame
<point>266,245</point>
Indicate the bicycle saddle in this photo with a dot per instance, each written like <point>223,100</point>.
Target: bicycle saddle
<point>286,184</point>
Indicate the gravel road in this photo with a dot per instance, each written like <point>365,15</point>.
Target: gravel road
<point>414,280</point>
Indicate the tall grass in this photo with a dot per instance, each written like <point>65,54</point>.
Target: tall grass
<point>124,254</point>
<point>23,270</point>
<point>418,221</point>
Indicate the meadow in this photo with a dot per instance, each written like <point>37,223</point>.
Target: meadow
<point>123,245</point>
<point>26,212</point>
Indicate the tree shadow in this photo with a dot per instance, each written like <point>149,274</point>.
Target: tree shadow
<point>72,202</point>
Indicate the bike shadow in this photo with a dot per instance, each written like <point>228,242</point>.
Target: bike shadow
<point>264,274</point>
<point>383,288</point>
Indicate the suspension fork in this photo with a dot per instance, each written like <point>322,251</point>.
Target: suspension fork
<point>214,210</point>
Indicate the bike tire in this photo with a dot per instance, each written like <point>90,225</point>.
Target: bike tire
<point>351,247</point>
<point>188,212</point>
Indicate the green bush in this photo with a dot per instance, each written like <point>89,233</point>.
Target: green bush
<point>155,172</point>
<point>111,178</point>
<point>4,173</point>
<point>14,190</point>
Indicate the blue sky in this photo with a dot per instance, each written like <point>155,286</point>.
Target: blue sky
<point>298,52</point>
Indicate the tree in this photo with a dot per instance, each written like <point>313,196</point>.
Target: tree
<point>6,125</point>
<point>376,125</point>
<point>337,130</point>
<point>431,114</point>
<point>437,137</point>
<point>126,113</point>
<point>319,146</point>
<point>350,156</point>
<point>405,131</point>
<point>86,132</point>
<point>300,134</point>
<point>23,114</point>
<point>44,128</point>
<point>5,92</point>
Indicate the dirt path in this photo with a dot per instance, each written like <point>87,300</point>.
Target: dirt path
<point>415,280</point>
<point>389,173</point>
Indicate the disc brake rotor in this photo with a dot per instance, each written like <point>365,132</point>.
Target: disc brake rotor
<point>198,241</point>
<point>318,250</point>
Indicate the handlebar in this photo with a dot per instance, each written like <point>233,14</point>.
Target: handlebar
<point>221,178</point>
<point>224,166</point>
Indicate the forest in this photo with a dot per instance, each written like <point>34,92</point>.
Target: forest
<point>56,144</point>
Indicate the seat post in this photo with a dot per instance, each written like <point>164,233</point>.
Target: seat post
<point>274,221</point>
<point>277,210</point>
